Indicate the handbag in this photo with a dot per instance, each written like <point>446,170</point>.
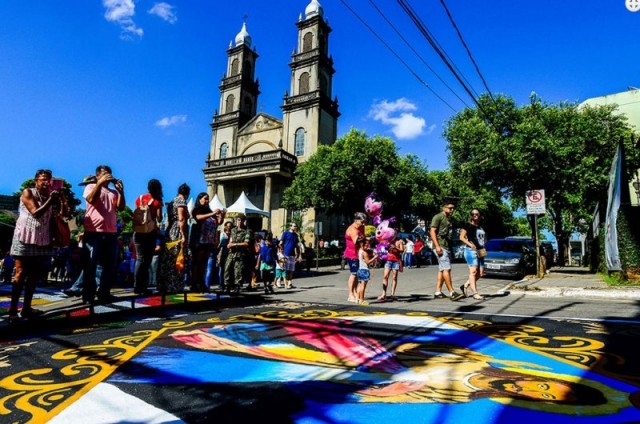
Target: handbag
<point>482,252</point>
<point>60,233</point>
<point>180,260</point>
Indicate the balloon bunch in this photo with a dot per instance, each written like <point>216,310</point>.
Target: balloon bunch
<point>373,208</point>
<point>384,232</point>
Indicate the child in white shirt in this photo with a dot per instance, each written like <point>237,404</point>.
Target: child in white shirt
<point>366,257</point>
<point>281,272</point>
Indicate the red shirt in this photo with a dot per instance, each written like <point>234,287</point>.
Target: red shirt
<point>154,206</point>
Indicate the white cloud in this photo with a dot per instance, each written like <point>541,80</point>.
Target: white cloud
<point>122,12</point>
<point>164,11</point>
<point>399,115</point>
<point>171,121</point>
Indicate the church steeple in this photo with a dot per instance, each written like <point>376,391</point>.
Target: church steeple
<point>309,111</point>
<point>239,92</point>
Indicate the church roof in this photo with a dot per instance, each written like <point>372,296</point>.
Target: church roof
<point>243,36</point>
<point>314,8</point>
<point>261,122</point>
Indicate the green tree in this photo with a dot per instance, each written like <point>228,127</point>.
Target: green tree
<point>564,149</point>
<point>339,177</point>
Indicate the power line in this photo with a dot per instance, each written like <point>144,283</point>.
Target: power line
<point>415,52</point>
<point>396,55</point>
<point>427,35</point>
<point>455,26</point>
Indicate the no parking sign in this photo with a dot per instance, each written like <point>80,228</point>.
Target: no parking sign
<point>535,202</point>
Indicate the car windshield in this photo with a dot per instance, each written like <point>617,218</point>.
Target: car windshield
<point>505,246</point>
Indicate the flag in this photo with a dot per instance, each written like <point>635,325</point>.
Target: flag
<point>611,252</point>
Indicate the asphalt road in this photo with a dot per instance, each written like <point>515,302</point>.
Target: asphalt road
<point>308,356</point>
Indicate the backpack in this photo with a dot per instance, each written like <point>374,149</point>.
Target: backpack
<point>143,222</point>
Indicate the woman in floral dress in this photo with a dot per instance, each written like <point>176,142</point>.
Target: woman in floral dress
<point>176,238</point>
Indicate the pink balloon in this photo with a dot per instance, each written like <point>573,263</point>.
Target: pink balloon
<point>382,250</point>
<point>384,232</point>
<point>372,206</point>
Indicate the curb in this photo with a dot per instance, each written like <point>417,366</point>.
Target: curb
<point>621,293</point>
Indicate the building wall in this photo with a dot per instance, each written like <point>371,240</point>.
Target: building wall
<point>628,105</point>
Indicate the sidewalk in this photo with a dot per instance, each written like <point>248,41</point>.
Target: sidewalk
<point>573,281</point>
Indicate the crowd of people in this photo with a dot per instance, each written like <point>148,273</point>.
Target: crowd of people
<point>201,249</point>
<point>360,254</point>
<point>195,250</point>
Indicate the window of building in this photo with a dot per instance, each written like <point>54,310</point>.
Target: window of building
<point>223,150</point>
<point>307,42</point>
<point>299,144</point>
<point>248,105</point>
<point>324,84</point>
<point>304,83</point>
<point>235,67</point>
<point>229,104</point>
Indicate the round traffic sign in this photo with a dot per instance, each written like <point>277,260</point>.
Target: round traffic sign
<point>535,196</point>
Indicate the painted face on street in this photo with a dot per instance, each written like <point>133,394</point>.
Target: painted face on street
<point>540,389</point>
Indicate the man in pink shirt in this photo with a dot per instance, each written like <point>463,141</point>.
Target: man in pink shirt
<point>101,233</point>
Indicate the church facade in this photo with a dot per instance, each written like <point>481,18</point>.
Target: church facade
<point>256,152</point>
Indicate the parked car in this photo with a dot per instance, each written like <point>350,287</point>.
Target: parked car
<point>546,250</point>
<point>510,257</point>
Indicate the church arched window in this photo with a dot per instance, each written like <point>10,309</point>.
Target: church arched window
<point>299,144</point>
<point>324,85</point>
<point>224,150</point>
<point>247,70</point>
<point>235,67</point>
<point>307,42</point>
<point>303,83</point>
<point>248,105</point>
<point>229,104</point>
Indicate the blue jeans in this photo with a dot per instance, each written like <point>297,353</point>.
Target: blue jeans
<point>102,248</point>
<point>408,259</point>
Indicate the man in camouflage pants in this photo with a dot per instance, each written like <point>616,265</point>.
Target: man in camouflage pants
<point>241,255</point>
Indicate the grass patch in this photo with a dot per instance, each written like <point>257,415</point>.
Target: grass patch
<point>617,279</point>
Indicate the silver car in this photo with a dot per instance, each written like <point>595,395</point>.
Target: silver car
<point>513,258</point>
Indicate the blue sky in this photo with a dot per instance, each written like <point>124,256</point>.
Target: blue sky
<point>134,84</point>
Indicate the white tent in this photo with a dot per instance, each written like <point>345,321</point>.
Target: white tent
<point>215,203</point>
<point>244,205</point>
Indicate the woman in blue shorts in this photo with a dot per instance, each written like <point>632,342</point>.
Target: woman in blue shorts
<point>473,236</point>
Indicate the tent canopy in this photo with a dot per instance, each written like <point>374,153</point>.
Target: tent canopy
<point>244,205</point>
<point>215,203</point>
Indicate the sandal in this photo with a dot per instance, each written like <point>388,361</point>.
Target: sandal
<point>463,289</point>
<point>363,303</point>
<point>352,300</point>
<point>476,296</point>
<point>381,298</point>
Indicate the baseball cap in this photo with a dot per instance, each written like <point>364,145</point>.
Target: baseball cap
<point>89,179</point>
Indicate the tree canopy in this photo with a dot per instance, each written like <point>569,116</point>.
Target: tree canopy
<point>565,149</point>
<point>339,177</point>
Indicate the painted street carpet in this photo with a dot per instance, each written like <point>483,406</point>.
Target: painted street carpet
<point>323,366</point>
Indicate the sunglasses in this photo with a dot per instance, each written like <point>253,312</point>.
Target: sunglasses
<point>475,214</point>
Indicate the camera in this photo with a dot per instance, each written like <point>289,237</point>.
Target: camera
<point>57,184</point>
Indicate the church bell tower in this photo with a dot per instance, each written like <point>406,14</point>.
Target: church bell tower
<point>309,114</point>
